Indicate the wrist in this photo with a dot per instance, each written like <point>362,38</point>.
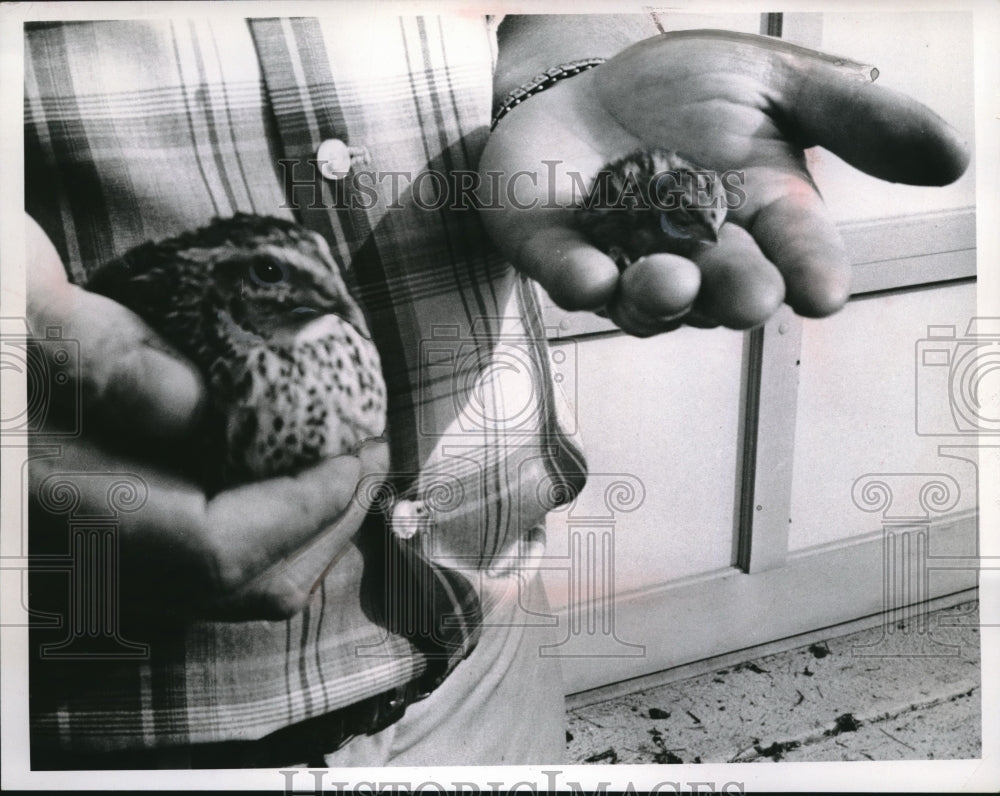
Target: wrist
<point>531,44</point>
<point>540,83</point>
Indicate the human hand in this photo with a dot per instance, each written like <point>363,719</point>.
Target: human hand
<point>729,102</point>
<point>251,552</point>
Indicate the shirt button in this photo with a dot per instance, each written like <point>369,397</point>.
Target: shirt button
<point>334,159</point>
<point>409,517</point>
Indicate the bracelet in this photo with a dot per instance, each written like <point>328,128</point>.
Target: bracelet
<point>541,82</point>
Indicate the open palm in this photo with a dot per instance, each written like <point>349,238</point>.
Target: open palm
<point>730,102</point>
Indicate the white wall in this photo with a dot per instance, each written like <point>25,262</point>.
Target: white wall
<point>857,407</point>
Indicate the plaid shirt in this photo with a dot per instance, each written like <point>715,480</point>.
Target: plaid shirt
<point>142,129</point>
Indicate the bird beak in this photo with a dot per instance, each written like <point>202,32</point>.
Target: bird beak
<point>332,294</point>
<point>336,299</point>
<point>711,235</point>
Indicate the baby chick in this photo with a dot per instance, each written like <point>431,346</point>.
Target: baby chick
<point>652,201</point>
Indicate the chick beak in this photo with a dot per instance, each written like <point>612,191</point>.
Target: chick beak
<point>709,234</point>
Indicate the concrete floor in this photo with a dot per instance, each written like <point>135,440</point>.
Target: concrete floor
<point>910,691</point>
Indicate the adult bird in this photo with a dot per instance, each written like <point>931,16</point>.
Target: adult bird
<point>259,305</point>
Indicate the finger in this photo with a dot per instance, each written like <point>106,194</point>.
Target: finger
<point>575,274</point>
<point>374,456</point>
<point>128,377</point>
<point>740,287</point>
<point>654,293</point>
<point>285,588</point>
<point>879,130</point>
<point>795,232</point>
<point>273,519</point>
<point>176,544</point>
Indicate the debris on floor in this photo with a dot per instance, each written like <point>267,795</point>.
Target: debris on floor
<point>909,690</point>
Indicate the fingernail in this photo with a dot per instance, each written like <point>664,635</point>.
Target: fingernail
<point>675,316</point>
<point>370,444</point>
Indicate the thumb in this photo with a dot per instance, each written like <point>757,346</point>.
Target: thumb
<point>128,378</point>
<point>878,130</point>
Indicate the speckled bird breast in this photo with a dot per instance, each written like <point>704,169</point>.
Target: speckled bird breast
<point>315,395</point>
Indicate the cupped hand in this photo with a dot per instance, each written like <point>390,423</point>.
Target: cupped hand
<point>255,551</point>
<point>736,103</point>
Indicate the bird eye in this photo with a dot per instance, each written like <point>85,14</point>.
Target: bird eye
<point>675,225</point>
<point>266,272</point>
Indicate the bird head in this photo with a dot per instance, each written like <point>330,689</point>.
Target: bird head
<point>280,282</point>
<point>691,204</point>
<point>265,275</point>
<point>652,200</point>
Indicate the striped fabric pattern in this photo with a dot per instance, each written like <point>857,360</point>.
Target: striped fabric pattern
<point>142,129</point>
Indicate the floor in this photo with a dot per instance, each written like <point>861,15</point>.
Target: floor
<point>907,691</point>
